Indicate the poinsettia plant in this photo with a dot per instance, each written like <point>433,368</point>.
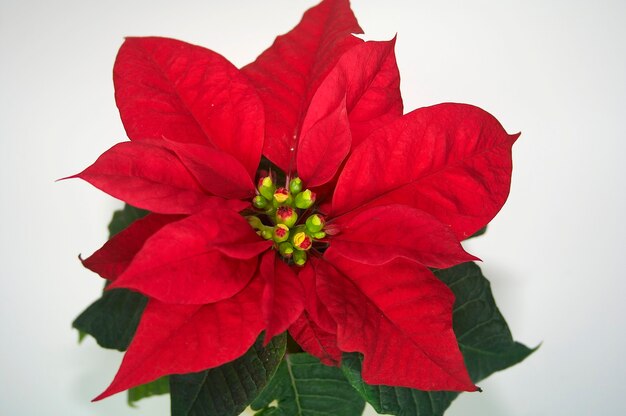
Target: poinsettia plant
<point>292,238</point>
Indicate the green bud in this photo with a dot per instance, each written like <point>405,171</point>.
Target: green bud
<point>295,185</point>
<point>267,188</point>
<point>315,223</point>
<point>305,199</point>
<point>260,202</point>
<point>285,249</point>
<point>282,197</point>
<point>280,233</point>
<point>299,257</point>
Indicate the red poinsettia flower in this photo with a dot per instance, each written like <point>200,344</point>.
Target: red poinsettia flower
<point>334,242</point>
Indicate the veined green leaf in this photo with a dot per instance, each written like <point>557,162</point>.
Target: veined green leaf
<point>227,390</point>
<point>305,387</point>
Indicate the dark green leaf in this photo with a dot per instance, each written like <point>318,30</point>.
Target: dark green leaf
<point>159,386</point>
<point>395,400</point>
<point>124,217</point>
<point>229,389</point>
<point>480,328</point>
<point>484,339</point>
<point>112,320</point>
<point>305,387</point>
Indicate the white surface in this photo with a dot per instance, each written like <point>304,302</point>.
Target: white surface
<point>554,70</point>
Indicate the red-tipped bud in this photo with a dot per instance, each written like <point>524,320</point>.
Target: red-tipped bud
<point>305,199</point>
<point>280,233</point>
<point>286,215</point>
<point>282,197</point>
<point>267,188</point>
<point>301,241</point>
<point>315,223</point>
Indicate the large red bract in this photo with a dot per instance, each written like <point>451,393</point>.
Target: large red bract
<point>398,191</point>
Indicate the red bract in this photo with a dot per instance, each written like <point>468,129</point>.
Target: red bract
<point>340,256</point>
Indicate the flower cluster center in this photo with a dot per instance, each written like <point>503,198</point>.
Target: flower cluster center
<point>286,215</point>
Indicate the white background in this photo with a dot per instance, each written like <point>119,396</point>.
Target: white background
<point>553,70</point>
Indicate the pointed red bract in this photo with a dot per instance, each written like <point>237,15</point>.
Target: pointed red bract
<point>368,76</point>
<point>114,257</point>
<point>216,171</point>
<point>314,307</point>
<point>450,160</point>
<point>186,93</point>
<point>380,234</point>
<point>283,298</point>
<point>181,339</point>
<point>324,143</point>
<point>315,340</point>
<point>399,316</point>
<point>289,72</point>
<point>153,178</point>
<point>188,262</point>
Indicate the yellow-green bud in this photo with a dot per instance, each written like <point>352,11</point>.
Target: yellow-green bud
<point>299,257</point>
<point>305,199</point>
<point>315,223</point>
<point>267,188</point>
<point>285,249</point>
<point>282,197</point>
<point>260,202</point>
<point>319,235</point>
<point>295,185</point>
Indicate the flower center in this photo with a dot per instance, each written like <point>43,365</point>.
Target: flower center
<point>286,216</point>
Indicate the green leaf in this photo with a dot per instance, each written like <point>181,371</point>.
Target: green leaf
<point>112,320</point>
<point>124,217</point>
<point>395,400</point>
<point>305,387</point>
<point>483,336</point>
<point>159,386</point>
<point>227,390</point>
